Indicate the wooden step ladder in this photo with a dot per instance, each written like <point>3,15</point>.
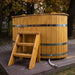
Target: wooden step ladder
<point>35,53</point>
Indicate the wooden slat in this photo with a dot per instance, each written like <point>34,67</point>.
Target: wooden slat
<point>25,44</point>
<point>22,55</point>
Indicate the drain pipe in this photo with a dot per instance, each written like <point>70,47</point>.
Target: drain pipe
<point>52,64</point>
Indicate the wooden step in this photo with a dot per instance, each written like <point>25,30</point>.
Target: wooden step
<point>25,44</point>
<point>22,55</point>
<point>29,33</point>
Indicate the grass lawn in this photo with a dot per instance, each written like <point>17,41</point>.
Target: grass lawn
<point>1,72</point>
<point>69,71</point>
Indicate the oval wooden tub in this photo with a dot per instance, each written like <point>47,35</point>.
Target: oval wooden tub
<point>53,29</point>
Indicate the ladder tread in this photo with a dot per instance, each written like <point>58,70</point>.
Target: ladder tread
<point>29,33</point>
<point>22,55</point>
<point>25,44</point>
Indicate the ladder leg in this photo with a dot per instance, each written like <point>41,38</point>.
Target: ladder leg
<point>12,58</point>
<point>35,51</point>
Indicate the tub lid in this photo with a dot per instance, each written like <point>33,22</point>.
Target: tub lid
<point>53,13</point>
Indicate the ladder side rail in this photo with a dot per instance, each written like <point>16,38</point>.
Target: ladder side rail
<point>12,58</point>
<point>38,54</point>
<point>34,52</point>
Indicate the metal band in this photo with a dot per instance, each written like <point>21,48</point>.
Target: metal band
<point>46,25</point>
<point>56,44</point>
<point>54,54</point>
<point>13,41</point>
<point>18,25</point>
<point>44,44</point>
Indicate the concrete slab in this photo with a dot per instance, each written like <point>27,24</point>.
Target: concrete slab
<point>42,68</point>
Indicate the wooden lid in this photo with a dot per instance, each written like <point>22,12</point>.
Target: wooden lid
<point>53,13</point>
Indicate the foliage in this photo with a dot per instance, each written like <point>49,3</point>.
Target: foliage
<point>52,5</point>
<point>57,6</point>
<point>17,7</point>
<point>12,7</point>
<point>10,28</point>
<point>39,7</point>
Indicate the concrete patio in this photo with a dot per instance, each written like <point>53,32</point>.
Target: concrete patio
<point>42,68</point>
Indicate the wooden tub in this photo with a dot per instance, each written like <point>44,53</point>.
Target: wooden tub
<point>53,29</point>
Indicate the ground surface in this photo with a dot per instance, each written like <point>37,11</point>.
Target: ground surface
<point>42,68</point>
<point>69,71</point>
